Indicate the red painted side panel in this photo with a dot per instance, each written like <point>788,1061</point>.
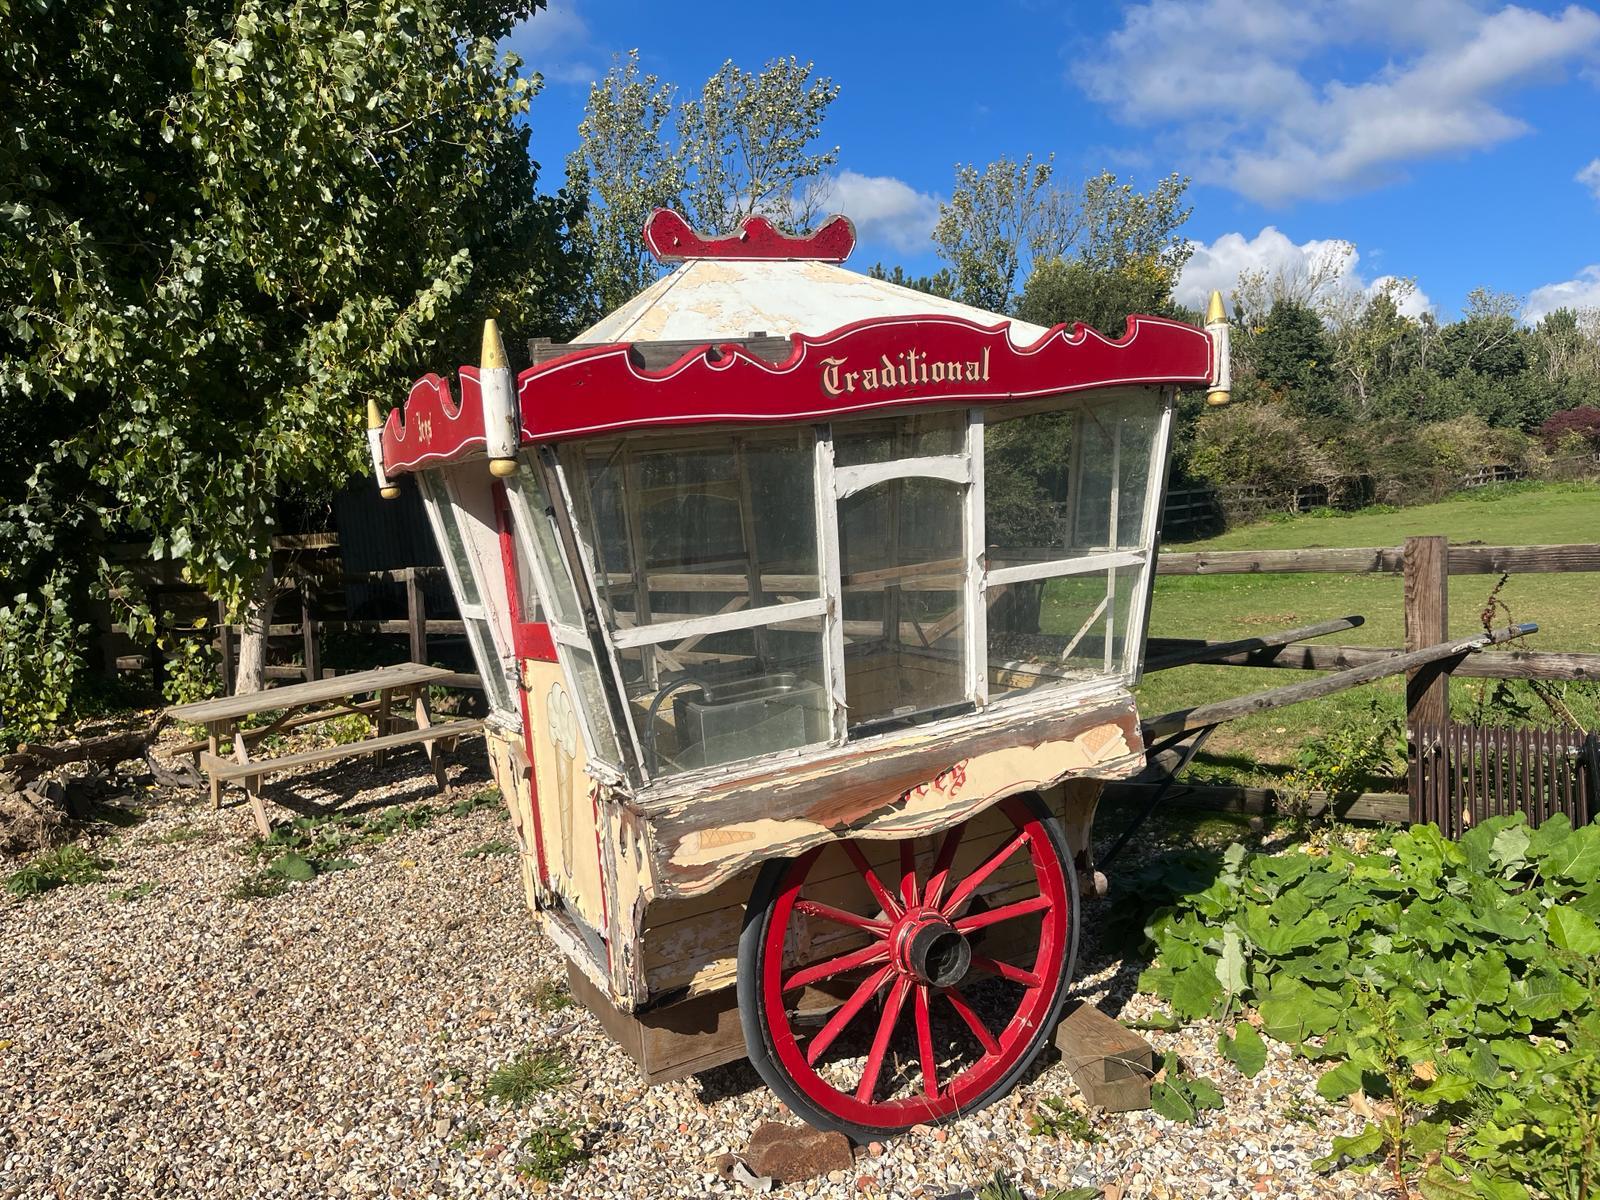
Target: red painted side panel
<point>883,363</point>
<point>434,428</point>
<point>877,364</point>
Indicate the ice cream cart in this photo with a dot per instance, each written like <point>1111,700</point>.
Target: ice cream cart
<point>807,609</point>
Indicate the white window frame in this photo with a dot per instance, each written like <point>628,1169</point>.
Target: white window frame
<point>832,484</point>
<point>523,516</point>
<point>476,618</point>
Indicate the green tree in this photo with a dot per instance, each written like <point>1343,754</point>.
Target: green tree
<point>745,145</point>
<point>1062,290</point>
<point>627,164</point>
<point>1012,217</point>
<point>940,283</point>
<point>228,226</point>
<point>1294,356</point>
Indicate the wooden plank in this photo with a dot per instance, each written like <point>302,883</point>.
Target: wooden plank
<point>1326,685</point>
<point>1391,807</point>
<point>673,1040</point>
<point>1111,1064</point>
<point>1488,664</point>
<point>1356,560</point>
<point>416,617</point>
<point>310,639</point>
<point>221,768</point>
<point>1463,560</point>
<point>1208,651</point>
<point>320,691</point>
<point>663,353</point>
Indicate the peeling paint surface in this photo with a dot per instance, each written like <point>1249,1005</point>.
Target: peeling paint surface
<point>707,299</point>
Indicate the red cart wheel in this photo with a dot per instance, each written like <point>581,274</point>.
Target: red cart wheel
<point>902,1016</point>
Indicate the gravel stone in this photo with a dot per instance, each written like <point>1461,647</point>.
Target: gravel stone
<point>335,1041</point>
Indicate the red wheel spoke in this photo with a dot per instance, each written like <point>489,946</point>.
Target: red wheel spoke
<point>1005,970</point>
<point>974,881</point>
<point>1004,913</point>
<point>876,952</point>
<point>847,1013</point>
<point>827,912</point>
<point>879,892</point>
<point>974,1021</point>
<point>930,1068</point>
<point>908,873</point>
<point>941,865</point>
<point>880,1040</point>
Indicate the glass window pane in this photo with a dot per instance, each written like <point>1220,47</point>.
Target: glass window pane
<point>698,528</point>
<point>591,695</point>
<point>1037,511</point>
<point>901,549</point>
<point>454,548</point>
<point>1071,629</point>
<point>547,545</point>
<point>1026,462</point>
<point>736,695</point>
<point>914,435</point>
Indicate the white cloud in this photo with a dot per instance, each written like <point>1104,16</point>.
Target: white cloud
<point>1580,292</point>
<point>885,209</point>
<point>1218,265</point>
<point>1244,83</point>
<point>1590,177</point>
<point>555,42</point>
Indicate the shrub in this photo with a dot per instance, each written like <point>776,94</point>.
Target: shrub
<point>1582,424</point>
<point>40,659</point>
<point>1257,445</point>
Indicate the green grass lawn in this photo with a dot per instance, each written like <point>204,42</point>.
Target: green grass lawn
<point>1222,607</point>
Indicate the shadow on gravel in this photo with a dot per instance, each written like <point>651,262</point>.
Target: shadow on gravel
<point>331,790</point>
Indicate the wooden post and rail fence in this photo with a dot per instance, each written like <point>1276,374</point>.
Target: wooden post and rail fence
<point>314,595</point>
<point>1458,773</point>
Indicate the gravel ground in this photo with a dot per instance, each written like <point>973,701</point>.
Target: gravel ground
<point>335,1040</point>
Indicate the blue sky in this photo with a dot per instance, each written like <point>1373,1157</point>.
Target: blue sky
<point>1450,141</point>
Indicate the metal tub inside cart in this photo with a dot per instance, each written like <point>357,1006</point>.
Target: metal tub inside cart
<point>807,609</point>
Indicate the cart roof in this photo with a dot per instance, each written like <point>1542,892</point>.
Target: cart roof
<point>712,299</point>
<point>857,344</point>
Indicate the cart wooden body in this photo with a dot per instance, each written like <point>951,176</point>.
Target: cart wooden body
<point>779,558</point>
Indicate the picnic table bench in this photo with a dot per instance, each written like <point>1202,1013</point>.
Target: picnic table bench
<point>307,703</point>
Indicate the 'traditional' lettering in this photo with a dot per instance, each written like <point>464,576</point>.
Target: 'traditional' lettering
<point>907,369</point>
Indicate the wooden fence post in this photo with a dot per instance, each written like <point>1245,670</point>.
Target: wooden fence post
<point>416,616</point>
<point>308,635</point>
<point>1427,592</point>
<point>226,647</point>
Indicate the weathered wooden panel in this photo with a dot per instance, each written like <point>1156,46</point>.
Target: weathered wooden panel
<point>930,779</point>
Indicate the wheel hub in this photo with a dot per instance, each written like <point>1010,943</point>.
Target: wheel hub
<point>930,949</point>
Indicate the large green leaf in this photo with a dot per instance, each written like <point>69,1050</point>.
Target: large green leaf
<point>1339,1082</point>
<point>1576,857</point>
<point>1244,1049</point>
<point>1572,930</point>
<point>1440,1184</point>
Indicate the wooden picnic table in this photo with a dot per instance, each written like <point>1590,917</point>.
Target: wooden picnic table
<point>307,703</point>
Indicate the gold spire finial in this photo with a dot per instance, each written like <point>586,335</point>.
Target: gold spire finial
<point>387,489</point>
<point>494,351</point>
<point>1214,309</point>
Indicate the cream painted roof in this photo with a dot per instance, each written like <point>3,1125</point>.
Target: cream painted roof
<point>718,298</point>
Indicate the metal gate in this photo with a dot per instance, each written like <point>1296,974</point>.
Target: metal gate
<point>1463,774</point>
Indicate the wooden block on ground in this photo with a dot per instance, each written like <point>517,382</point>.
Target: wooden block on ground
<point>1110,1063</point>
<point>671,1041</point>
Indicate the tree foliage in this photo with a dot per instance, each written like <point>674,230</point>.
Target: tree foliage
<point>746,144</point>
<point>228,225</point>
<point>1014,215</point>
